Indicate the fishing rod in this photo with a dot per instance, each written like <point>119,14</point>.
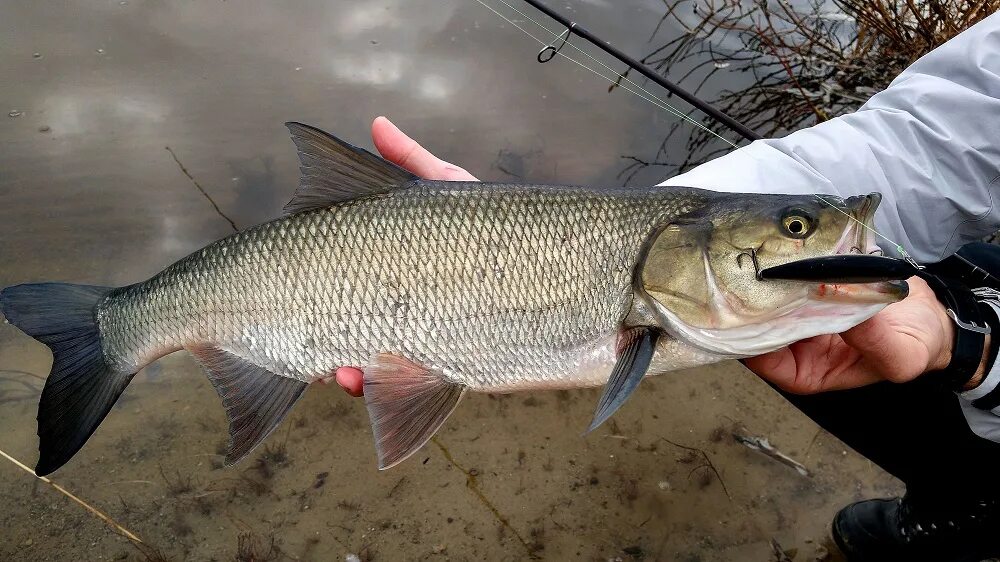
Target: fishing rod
<point>573,28</point>
<point>552,48</point>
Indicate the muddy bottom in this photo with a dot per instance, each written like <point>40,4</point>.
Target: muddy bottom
<point>508,477</point>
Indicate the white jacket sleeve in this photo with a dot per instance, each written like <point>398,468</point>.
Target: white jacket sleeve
<point>930,143</point>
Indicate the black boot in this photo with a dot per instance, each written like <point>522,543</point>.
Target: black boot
<point>919,530</point>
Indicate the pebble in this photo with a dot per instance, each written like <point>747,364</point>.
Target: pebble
<point>15,113</point>
<point>664,485</point>
<point>28,542</point>
<point>44,129</point>
<point>351,557</point>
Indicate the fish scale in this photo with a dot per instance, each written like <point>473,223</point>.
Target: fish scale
<point>505,312</point>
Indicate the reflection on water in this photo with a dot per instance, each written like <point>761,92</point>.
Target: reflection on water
<point>95,92</point>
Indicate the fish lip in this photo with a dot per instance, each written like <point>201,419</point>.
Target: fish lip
<point>886,292</point>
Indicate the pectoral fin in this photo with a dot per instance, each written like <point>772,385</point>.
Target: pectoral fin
<point>638,346</point>
<point>256,400</point>
<point>407,404</point>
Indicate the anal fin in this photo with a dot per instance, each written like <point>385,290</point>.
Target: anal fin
<point>637,348</point>
<point>407,404</point>
<point>256,400</point>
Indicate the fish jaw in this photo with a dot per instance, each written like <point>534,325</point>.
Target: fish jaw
<point>811,319</point>
<point>853,293</point>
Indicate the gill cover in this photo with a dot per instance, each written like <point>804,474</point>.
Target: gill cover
<point>675,271</point>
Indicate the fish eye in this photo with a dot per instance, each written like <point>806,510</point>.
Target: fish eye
<point>797,224</point>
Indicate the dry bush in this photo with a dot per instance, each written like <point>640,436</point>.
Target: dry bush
<point>800,63</point>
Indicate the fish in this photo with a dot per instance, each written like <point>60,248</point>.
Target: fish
<point>441,288</point>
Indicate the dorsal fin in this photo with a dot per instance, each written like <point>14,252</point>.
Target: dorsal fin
<point>334,171</point>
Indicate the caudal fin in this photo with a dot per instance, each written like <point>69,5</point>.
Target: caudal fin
<point>83,386</point>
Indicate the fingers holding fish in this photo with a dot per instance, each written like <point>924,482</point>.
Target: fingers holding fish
<point>351,379</point>
<point>903,341</point>
<point>395,146</point>
<point>813,365</point>
<point>908,338</point>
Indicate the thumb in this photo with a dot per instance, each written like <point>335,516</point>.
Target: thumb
<point>400,149</point>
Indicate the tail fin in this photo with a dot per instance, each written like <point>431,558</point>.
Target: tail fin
<point>82,387</point>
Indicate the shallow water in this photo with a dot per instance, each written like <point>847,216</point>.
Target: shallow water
<point>91,193</point>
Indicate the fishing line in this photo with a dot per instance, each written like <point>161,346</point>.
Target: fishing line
<point>560,40</point>
<point>623,81</point>
<point>897,246</point>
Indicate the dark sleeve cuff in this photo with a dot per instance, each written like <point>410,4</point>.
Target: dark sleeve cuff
<point>986,396</point>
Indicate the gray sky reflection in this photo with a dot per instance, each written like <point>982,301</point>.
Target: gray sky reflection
<point>88,184</point>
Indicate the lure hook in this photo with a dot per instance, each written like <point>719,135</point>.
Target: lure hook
<point>752,253</point>
<point>550,51</point>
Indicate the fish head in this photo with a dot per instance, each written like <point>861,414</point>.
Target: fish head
<point>699,275</point>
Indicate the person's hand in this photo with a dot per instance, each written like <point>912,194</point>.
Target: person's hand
<point>403,151</point>
<point>900,343</point>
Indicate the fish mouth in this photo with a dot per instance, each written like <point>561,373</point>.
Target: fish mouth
<point>886,292</point>
<point>859,238</point>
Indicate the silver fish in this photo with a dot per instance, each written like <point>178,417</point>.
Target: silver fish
<point>437,288</point>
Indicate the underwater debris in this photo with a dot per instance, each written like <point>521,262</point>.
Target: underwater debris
<point>250,548</point>
<point>764,446</point>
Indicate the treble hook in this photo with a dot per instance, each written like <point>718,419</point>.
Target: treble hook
<point>550,51</point>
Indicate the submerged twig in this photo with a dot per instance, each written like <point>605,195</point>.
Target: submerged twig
<point>215,206</point>
<point>472,483</point>
<point>708,463</point>
<point>100,514</point>
<point>779,552</point>
<point>764,446</point>
<point>250,549</point>
<point>29,391</point>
